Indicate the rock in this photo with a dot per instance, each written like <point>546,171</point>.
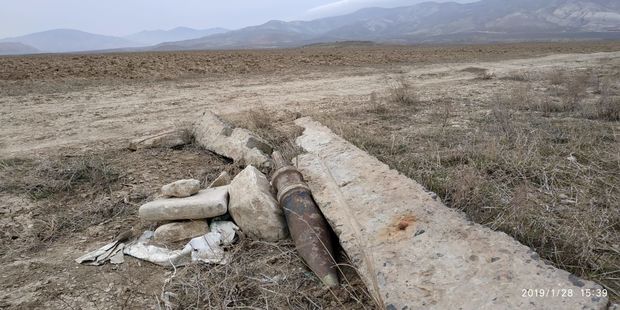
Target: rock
<point>181,188</point>
<point>166,139</point>
<point>222,180</point>
<point>239,144</point>
<point>207,203</point>
<point>412,251</point>
<point>254,208</point>
<point>178,231</point>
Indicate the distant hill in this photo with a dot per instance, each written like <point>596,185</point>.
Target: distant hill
<point>16,48</point>
<point>153,37</point>
<point>428,22</point>
<point>483,21</point>
<point>69,40</point>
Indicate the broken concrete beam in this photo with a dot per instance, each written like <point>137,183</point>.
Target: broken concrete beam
<point>239,144</point>
<point>181,188</point>
<point>207,203</point>
<point>166,139</point>
<point>178,231</point>
<point>254,208</point>
<point>415,253</point>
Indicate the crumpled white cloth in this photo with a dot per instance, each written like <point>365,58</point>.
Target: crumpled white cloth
<point>206,249</point>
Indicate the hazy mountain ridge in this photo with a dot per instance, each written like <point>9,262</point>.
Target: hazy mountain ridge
<point>430,22</point>
<point>482,21</point>
<point>69,40</point>
<point>16,48</point>
<point>153,37</point>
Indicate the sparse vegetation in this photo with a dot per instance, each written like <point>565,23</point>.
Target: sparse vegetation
<point>42,179</point>
<point>529,155</point>
<point>276,127</point>
<point>402,92</point>
<point>376,105</point>
<point>260,276</point>
<point>549,181</point>
<point>519,76</point>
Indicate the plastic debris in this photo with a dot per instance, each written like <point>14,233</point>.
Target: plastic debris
<point>227,229</point>
<point>112,252</point>
<point>141,249</point>
<point>206,249</point>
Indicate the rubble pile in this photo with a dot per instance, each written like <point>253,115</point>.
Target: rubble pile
<point>185,212</point>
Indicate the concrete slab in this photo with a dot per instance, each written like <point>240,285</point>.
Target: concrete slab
<point>415,253</point>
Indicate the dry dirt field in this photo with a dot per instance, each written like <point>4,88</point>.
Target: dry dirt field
<point>524,138</point>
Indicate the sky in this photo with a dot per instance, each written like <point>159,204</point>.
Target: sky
<point>123,17</point>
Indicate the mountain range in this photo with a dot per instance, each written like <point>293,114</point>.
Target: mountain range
<point>70,40</point>
<point>482,21</point>
<point>153,37</point>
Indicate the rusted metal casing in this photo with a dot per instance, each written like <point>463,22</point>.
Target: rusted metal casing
<point>307,226</point>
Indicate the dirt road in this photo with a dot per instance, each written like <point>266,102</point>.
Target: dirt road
<point>37,122</point>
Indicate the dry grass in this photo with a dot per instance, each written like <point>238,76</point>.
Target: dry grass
<point>267,275</point>
<point>534,166</point>
<point>41,179</point>
<point>261,275</point>
<point>276,127</point>
<point>519,76</point>
<point>376,105</point>
<point>402,92</point>
<point>61,179</point>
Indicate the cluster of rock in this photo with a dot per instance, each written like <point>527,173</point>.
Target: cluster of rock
<point>248,197</point>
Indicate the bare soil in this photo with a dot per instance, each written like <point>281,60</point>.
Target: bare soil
<point>521,137</point>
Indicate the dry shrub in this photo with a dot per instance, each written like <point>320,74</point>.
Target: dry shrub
<point>502,115</point>
<point>549,105</point>
<point>556,77</point>
<point>262,275</point>
<point>482,73</point>
<point>519,76</point>
<point>443,112</point>
<point>519,97</point>
<point>402,92</point>
<point>576,87</point>
<point>487,75</point>
<point>276,127</point>
<point>376,105</point>
<point>608,108</point>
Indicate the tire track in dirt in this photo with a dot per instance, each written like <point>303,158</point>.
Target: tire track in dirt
<point>36,122</point>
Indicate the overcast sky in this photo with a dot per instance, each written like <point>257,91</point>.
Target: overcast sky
<point>122,17</point>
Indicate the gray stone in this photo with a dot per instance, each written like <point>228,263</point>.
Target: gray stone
<point>412,251</point>
<point>207,203</point>
<point>166,139</point>
<point>222,180</point>
<point>239,144</point>
<point>178,231</point>
<point>181,188</point>
<point>254,208</point>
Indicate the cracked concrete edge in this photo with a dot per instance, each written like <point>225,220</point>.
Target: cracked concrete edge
<point>358,214</point>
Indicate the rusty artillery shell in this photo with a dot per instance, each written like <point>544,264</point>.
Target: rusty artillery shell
<point>306,223</point>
